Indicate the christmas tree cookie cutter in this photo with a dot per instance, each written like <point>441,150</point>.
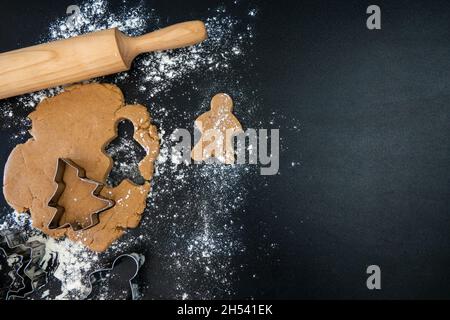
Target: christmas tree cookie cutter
<point>55,222</point>
<point>29,274</point>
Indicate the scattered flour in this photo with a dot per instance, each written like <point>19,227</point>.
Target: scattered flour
<point>74,264</point>
<point>191,224</point>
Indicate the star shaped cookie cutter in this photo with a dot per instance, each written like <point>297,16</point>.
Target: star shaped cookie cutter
<point>55,222</point>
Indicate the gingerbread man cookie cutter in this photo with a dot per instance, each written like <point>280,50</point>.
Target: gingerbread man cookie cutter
<point>136,260</point>
<point>55,222</point>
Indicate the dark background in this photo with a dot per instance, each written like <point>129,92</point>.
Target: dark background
<point>373,185</point>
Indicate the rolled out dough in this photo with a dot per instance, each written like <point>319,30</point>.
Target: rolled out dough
<point>78,124</point>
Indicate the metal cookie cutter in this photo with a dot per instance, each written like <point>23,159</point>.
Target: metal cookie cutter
<point>55,223</point>
<point>29,276</point>
<point>127,266</point>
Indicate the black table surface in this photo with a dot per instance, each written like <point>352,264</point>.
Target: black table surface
<point>373,184</point>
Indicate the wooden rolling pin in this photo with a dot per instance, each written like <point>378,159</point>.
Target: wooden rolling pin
<point>87,56</point>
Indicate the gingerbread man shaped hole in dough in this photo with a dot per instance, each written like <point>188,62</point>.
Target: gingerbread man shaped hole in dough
<point>218,127</point>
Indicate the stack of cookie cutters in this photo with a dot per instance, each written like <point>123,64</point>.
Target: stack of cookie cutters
<point>56,221</point>
<point>28,275</point>
<point>129,263</point>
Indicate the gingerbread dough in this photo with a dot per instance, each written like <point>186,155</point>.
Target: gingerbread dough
<point>218,126</point>
<point>74,194</point>
<point>78,124</point>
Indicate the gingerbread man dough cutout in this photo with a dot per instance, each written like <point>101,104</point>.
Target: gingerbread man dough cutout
<point>218,127</point>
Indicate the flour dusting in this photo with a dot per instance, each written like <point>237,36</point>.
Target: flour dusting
<point>191,226</point>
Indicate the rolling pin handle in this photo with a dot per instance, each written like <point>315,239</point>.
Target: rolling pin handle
<point>176,36</point>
